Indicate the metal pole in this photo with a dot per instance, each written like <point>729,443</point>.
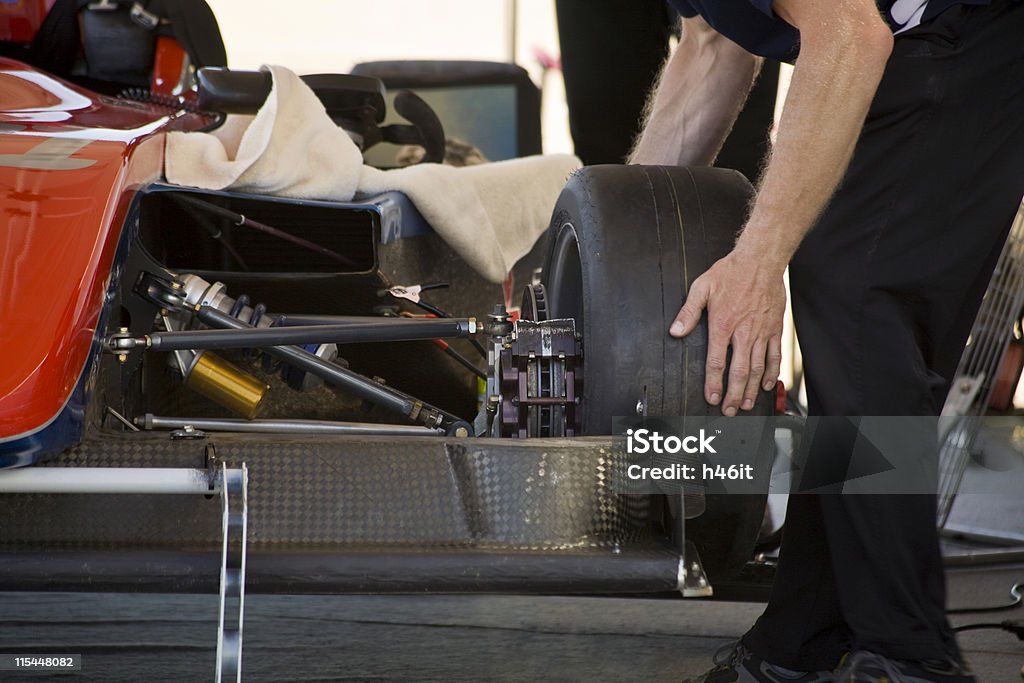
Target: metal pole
<point>293,320</point>
<point>513,20</point>
<point>234,523</point>
<point>107,480</point>
<point>150,422</point>
<point>354,333</point>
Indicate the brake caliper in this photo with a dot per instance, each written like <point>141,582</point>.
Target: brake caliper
<point>539,375</point>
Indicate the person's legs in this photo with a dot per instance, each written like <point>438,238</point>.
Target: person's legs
<point>804,585</point>
<point>612,51</point>
<point>884,291</point>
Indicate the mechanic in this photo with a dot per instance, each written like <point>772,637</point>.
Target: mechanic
<point>901,143</point>
<point>625,42</point>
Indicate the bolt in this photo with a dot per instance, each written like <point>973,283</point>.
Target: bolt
<point>695,568</point>
<point>461,432</point>
<point>122,357</point>
<point>499,314</point>
<point>703,582</point>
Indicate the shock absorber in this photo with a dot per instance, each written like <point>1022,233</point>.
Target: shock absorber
<point>198,292</point>
<point>223,382</point>
<point>233,320</point>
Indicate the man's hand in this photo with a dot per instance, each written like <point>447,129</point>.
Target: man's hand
<point>844,46</point>
<point>746,300</point>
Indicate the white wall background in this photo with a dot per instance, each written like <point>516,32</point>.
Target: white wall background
<point>311,36</point>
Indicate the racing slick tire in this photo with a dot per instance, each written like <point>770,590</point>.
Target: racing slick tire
<point>625,244</point>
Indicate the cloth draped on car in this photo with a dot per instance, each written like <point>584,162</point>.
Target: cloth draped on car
<point>490,214</point>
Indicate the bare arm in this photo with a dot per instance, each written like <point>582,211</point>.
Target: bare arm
<point>844,48</point>
<point>699,95</point>
<point>843,53</point>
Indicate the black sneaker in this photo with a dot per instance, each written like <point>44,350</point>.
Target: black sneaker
<point>737,664</point>
<point>868,667</point>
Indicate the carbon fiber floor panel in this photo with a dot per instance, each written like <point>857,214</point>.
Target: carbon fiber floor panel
<point>326,495</point>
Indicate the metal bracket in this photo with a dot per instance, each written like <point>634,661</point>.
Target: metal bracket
<point>145,19</point>
<point>692,582</point>
<point>234,496</point>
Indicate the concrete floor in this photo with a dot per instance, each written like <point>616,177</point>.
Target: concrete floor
<point>430,638</point>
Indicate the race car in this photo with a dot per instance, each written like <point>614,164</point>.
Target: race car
<point>406,424</point>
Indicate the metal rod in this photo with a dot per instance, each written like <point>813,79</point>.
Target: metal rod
<point>151,422</point>
<point>241,219</point>
<point>290,320</point>
<point>353,333</point>
<point>462,360</point>
<point>107,480</point>
<point>122,419</point>
<point>331,373</point>
<point>297,320</point>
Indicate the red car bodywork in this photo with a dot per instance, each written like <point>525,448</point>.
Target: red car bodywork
<point>70,164</point>
<point>21,19</point>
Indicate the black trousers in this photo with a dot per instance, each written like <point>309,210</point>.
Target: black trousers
<point>885,289</point>
<point>612,52</point>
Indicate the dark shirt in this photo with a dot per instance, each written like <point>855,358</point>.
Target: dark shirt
<point>752,25</point>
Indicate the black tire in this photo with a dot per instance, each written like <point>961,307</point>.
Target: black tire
<point>626,242</point>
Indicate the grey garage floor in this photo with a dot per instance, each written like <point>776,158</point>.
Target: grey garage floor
<point>428,638</point>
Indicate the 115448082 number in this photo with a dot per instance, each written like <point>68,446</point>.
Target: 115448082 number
<point>39,662</point>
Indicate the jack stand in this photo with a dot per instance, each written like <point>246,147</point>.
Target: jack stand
<point>692,581</point>
<point>235,511</point>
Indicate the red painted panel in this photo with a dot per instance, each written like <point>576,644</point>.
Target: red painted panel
<point>169,65</point>
<point>21,19</point>
<point>65,185</point>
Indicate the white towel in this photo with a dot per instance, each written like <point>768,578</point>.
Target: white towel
<point>490,214</point>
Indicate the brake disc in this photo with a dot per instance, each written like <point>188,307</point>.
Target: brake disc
<point>535,303</point>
